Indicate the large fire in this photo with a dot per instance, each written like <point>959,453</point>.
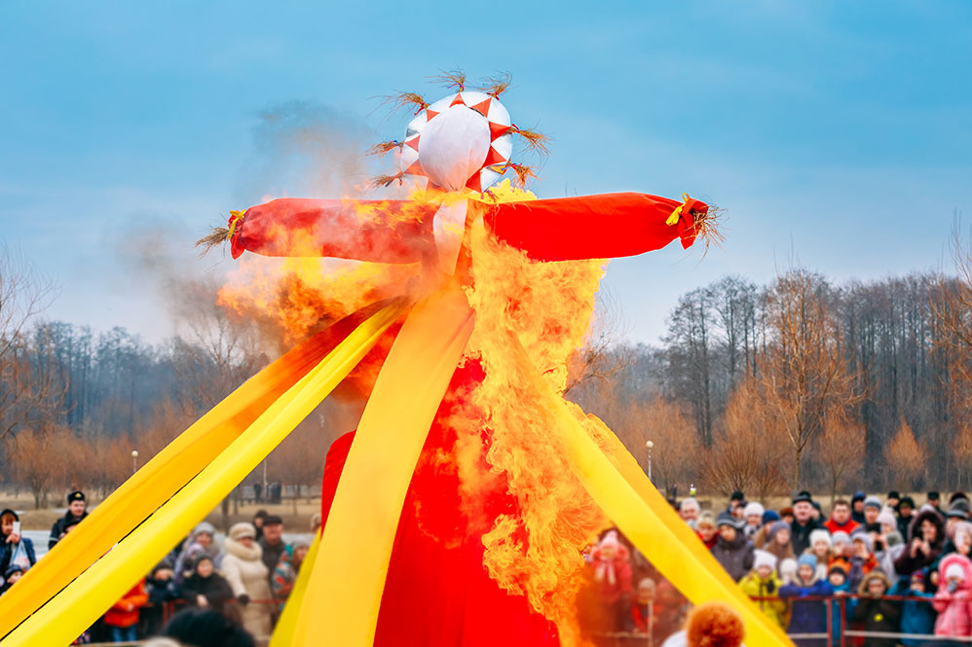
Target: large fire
<point>535,549</point>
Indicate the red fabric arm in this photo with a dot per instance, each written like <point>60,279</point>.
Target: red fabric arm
<point>597,226</point>
<point>384,231</point>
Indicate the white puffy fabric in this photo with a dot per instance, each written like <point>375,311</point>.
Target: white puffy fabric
<point>454,146</point>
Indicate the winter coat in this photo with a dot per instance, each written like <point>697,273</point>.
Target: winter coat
<point>192,549</point>
<point>954,609</point>
<point>273,554</point>
<point>886,559</point>
<point>808,616</point>
<point>248,575</point>
<point>835,609</point>
<point>161,591</point>
<point>214,588</point>
<point>7,552</point>
<point>800,535</point>
<point>756,587</point>
<point>917,617</point>
<point>284,578</point>
<point>57,530</point>
<point>905,565</point>
<point>124,613</point>
<point>859,569</point>
<point>736,557</point>
<point>614,576</point>
<point>877,614</point>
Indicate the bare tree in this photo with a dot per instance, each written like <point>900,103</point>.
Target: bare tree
<point>24,293</point>
<point>805,374</point>
<point>906,458</point>
<point>841,449</point>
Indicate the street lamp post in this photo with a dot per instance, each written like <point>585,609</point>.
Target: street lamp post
<point>649,445</point>
<point>134,461</point>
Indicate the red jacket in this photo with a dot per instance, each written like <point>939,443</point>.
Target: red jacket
<point>848,527</point>
<point>125,612</point>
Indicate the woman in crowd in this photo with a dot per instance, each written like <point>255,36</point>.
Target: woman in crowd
<point>14,549</point>
<point>205,587</point>
<point>249,578</point>
<point>926,538</point>
<point>200,541</point>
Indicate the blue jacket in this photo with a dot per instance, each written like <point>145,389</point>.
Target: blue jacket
<point>835,612</point>
<point>7,550</point>
<point>917,617</point>
<point>808,616</point>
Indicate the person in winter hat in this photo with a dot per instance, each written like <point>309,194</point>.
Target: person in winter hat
<point>712,624</point>
<point>906,511</point>
<point>843,550</point>
<point>872,508</point>
<point>122,618</point>
<point>807,616</point>
<point>248,577</point>
<point>803,523</point>
<point>925,544</point>
<point>10,577</point>
<point>76,512</point>
<point>201,540</point>
<point>161,588</point>
<point>643,607</point>
<point>285,575</point>
<point>862,560</point>
<point>917,615</point>
<point>778,541</point>
<point>821,549</point>
<point>770,516</point>
<point>15,549</point>
<point>788,571</point>
<point>857,507</point>
<point>761,583</point>
<point>953,597</point>
<point>894,546</point>
<point>876,613</point>
<point>837,577</point>
<point>732,550</point>
<point>613,575</point>
<point>753,515</point>
<point>205,587</point>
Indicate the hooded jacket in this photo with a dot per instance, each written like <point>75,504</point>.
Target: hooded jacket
<point>247,575</point>
<point>184,563</point>
<point>124,613</point>
<point>808,616</point>
<point>954,611</point>
<point>758,588</point>
<point>917,616</point>
<point>7,550</point>
<point>906,564</point>
<point>736,556</point>
<point>877,614</point>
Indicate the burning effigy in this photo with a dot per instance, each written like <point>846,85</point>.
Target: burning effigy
<point>457,512</point>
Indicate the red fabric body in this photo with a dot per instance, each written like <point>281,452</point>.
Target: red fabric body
<point>438,593</point>
<point>399,231</point>
<point>595,226</point>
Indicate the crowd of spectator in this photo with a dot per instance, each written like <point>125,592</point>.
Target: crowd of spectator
<point>245,579</point>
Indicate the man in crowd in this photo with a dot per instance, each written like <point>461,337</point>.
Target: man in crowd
<point>935,500</point>
<point>840,518</point>
<point>272,542</point>
<point>894,498</point>
<point>857,507</point>
<point>76,511</point>
<point>689,511</point>
<point>872,508</point>
<point>803,522</point>
<point>738,499</point>
<point>906,512</point>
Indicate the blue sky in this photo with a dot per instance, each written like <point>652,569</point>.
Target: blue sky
<point>834,131</point>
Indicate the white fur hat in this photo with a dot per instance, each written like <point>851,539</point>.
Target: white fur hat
<point>753,508</point>
<point>955,570</point>
<point>819,535</point>
<point>763,558</point>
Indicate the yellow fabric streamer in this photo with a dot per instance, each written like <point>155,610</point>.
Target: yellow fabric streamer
<point>344,594</point>
<point>159,479</point>
<point>677,214</point>
<point>76,607</point>
<point>645,518</point>
<point>283,633</point>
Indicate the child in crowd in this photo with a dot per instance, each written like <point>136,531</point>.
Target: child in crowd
<point>876,613</point>
<point>705,527</point>
<point>778,542</point>
<point>808,616</point>
<point>732,550</point>
<point>952,599</point>
<point>917,616</point>
<point>122,618</point>
<point>205,587</point>
<point>837,577</point>
<point>788,571</point>
<point>842,549</point>
<point>763,585</point>
<point>10,577</point>
<point>285,575</point>
<point>753,514</point>
<point>643,607</point>
<point>161,588</point>
<point>820,548</point>
<point>613,574</point>
<point>862,561</point>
